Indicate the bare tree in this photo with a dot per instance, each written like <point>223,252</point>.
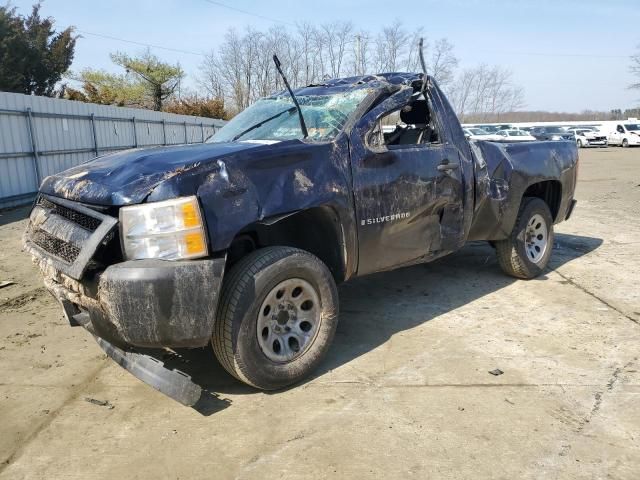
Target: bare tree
<point>250,48</point>
<point>635,68</point>
<point>209,78</point>
<point>484,92</point>
<point>336,37</point>
<point>242,70</point>
<point>232,69</point>
<point>442,62</point>
<point>305,39</point>
<point>391,43</point>
<point>462,92</point>
<point>361,57</point>
<point>514,100</point>
<point>413,54</point>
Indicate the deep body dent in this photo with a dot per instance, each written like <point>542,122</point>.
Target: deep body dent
<point>266,183</point>
<point>504,173</point>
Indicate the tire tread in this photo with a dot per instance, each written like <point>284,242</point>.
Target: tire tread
<point>508,258</point>
<point>233,286</point>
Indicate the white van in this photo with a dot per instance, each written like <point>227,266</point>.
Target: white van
<point>625,134</point>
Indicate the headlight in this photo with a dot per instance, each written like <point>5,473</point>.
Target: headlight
<point>170,230</point>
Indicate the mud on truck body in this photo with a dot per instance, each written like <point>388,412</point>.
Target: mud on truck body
<point>240,242</point>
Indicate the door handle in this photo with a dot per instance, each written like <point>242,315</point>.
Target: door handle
<point>445,166</point>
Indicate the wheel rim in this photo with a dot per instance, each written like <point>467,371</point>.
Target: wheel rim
<point>288,320</point>
<point>536,238</point>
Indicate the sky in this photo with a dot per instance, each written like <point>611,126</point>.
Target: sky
<point>568,55</point>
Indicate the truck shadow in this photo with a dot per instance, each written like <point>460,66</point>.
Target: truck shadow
<point>375,307</point>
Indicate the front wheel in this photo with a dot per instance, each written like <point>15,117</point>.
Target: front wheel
<point>625,143</point>
<point>580,144</point>
<point>527,251</point>
<point>277,316</point>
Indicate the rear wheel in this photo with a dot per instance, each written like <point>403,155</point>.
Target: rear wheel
<point>277,316</point>
<point>527,251</point>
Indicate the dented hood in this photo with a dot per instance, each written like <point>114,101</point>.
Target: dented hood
<point>129,177</point>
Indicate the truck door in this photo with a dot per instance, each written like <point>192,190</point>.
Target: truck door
<point>406,182</point>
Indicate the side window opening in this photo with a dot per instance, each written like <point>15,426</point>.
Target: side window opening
<point>410,125</point>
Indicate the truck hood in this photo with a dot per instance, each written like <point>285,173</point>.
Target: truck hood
<point>129,177</point>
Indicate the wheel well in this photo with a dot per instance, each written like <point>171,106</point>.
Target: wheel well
<point>550,191</point>
<point>316,230</point>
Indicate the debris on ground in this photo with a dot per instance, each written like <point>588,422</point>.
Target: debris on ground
<point>101,403</point>
<point>6,283</point>
<point>496,372</point>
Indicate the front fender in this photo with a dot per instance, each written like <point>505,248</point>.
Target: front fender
<point>292,178</point>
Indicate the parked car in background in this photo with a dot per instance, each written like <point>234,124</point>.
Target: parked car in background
<point>552,133</point>
<point>625,135</point>
<point>474,133</point>
<point>586,137</point>
<point>514,136</point>
<point>489,128</point>
<point>582,127</point>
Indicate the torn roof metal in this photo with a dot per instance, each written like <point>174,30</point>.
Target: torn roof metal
<point>378,81</point>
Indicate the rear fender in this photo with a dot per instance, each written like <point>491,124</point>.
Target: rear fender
<point>504,172</point>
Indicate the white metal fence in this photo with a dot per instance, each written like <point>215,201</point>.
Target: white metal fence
<point>40,136</point>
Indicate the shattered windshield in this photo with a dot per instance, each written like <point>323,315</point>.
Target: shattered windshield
<point>276,118</point>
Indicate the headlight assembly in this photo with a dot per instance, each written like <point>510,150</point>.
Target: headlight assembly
<point>169,230</point>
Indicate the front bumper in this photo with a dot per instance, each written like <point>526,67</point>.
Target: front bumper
<point>597,143</point>
<point>145,303</point>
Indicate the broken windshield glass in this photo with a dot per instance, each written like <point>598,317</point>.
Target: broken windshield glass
<point>274,118</point>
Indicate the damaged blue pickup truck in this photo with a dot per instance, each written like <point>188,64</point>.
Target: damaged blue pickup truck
<point>239,242</point>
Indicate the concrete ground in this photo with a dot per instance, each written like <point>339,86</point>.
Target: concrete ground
<point>405,391</point>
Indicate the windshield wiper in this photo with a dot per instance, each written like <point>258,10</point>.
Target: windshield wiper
<point>259,124</point>
<point>303,126</point>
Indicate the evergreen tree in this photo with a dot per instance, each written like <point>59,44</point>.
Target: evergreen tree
<point>33,56</point>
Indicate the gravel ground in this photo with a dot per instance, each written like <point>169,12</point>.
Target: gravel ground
<point>405,391</point>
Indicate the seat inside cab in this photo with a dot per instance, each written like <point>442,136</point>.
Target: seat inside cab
<point>410,125</point>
